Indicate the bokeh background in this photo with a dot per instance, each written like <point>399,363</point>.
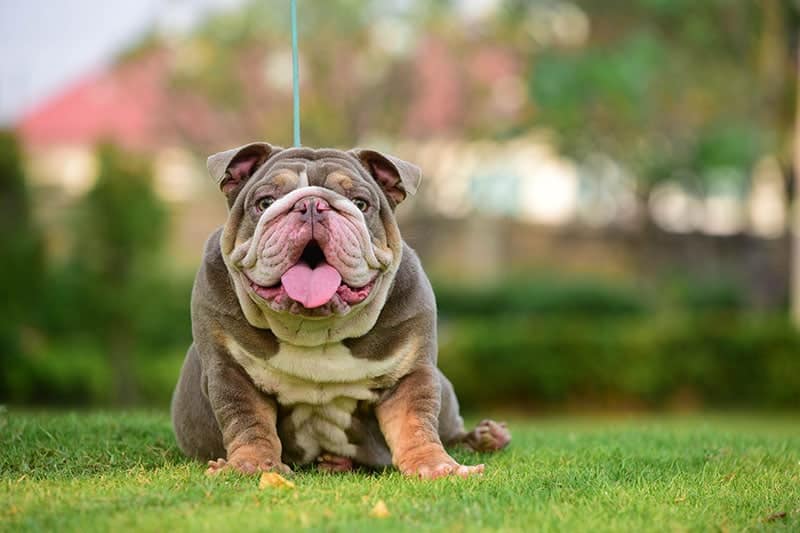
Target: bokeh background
<point>606,211</point>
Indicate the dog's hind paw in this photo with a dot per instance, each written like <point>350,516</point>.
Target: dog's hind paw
<point>330,463</point>
<point>488,436</point>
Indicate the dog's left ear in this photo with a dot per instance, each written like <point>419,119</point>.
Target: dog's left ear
<point>396,177</point>
<point>232,168</point>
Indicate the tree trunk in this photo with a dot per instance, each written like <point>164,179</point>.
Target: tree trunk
<point>795,212</point>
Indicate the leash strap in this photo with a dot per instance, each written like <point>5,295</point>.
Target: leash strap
<point>295,76</point>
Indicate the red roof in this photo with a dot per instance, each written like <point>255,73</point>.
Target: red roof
<point>121,104</point>
<point>134,103</point>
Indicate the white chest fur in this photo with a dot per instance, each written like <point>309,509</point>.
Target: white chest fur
<point>323,385</point>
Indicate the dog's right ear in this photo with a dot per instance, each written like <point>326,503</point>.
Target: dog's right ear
<point>232,168</point>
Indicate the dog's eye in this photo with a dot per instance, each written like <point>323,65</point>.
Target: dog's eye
<point>263,203</point>
<point>361,204</point>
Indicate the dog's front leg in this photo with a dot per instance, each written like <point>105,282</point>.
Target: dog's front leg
<point>408,417</point>
<point>247,419</point>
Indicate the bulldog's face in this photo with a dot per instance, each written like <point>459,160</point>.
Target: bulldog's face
<point>311,234</point>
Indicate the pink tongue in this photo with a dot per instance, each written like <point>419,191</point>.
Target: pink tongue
<point>311,287</point>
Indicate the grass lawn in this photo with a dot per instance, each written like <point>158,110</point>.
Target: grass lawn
<point>122,471</point>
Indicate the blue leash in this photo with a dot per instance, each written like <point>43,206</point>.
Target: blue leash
<point>295,76</point>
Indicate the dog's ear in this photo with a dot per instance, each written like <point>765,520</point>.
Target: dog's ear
<point>396,177</point>
<point>232,168</point>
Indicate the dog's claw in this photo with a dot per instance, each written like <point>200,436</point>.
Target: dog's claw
<point>215,466</point>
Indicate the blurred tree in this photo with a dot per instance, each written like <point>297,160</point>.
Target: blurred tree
<point>669,89</point>
<point>795,216</point>
<point>356,60</point>
<point>121,225</point>
<point>782,31</point>
<point>21,259</point>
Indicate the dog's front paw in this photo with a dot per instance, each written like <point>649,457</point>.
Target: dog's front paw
<point>248,460</point>
<point>436,465</point>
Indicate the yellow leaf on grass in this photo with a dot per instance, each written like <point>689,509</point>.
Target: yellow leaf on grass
<point>380,510</point>
<point>272,479</point>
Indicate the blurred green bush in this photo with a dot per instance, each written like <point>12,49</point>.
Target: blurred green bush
<point>552,342</point>
<point>78,372</point>
<point>539,295</point>
<point>651,361</point>
<point>551,294</point>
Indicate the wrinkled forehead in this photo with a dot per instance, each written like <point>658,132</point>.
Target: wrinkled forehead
<point>301,167</point>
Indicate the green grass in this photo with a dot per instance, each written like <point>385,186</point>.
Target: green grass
<point>122,471</point>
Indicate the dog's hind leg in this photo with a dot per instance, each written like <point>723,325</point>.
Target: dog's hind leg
<point>451,425</point>
<point>488,435</point>
<point>193,421</point>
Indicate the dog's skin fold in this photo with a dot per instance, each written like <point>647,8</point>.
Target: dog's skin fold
<point>314,324</point>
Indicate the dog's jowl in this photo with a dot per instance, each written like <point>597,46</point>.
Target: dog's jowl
<point>314,324</point>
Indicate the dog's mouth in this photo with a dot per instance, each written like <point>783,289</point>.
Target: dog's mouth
<point>312,286</point>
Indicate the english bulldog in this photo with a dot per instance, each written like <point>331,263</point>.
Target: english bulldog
<point>314,325</point>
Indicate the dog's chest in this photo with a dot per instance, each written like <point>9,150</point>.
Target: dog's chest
<point>321,387</point>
